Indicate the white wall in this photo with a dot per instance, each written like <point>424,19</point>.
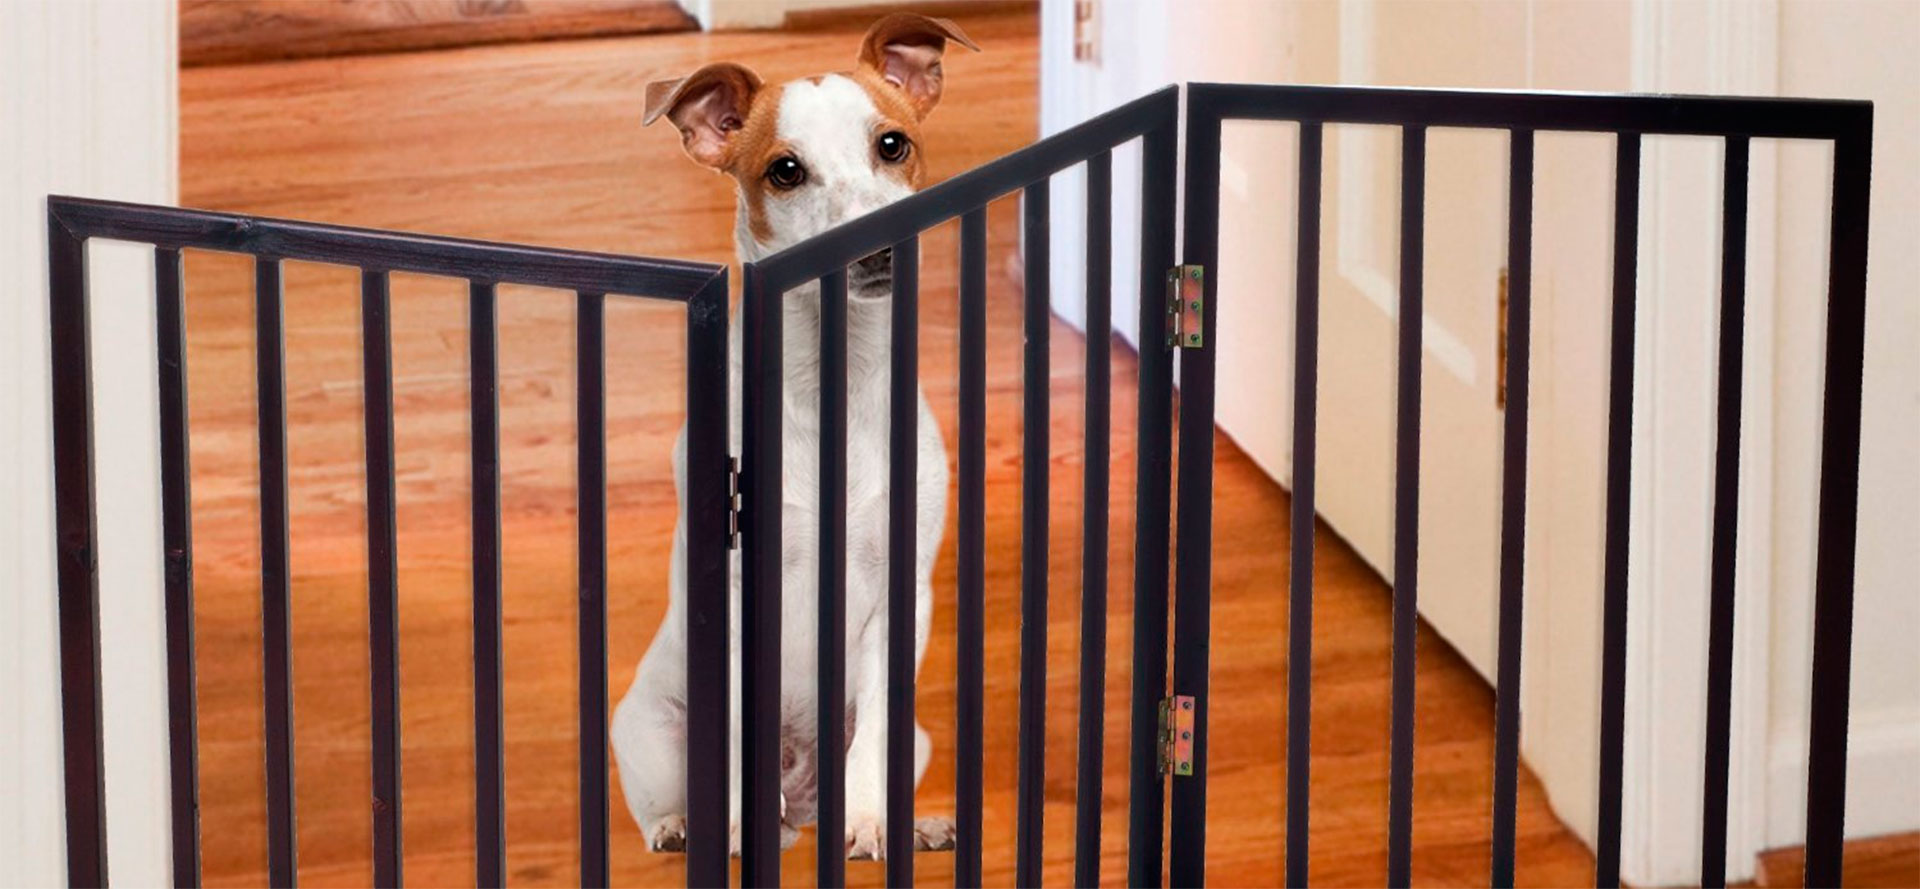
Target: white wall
<point>1856,50</point>
<point>87,107</point>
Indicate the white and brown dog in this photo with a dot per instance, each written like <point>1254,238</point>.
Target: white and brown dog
<point>806,156</point>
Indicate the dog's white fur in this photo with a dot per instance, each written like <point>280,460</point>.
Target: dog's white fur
<point>828,122</point>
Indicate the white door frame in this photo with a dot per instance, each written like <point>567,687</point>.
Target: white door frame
<point>88,106</point>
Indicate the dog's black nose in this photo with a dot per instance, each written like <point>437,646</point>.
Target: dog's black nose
<point>876,263</point>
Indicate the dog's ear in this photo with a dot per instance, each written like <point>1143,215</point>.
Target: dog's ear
<point>905,49</point>
<point>708,106</point>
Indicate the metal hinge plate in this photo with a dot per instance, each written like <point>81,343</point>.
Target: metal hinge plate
<point>1176,735</point>
<point>733,503</point>
<point>1186,285</point>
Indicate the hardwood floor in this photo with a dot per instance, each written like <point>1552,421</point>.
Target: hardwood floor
<point>542,143</point>
<point>1877,861</point>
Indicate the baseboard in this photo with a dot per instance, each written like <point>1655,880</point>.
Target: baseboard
<point>222,32</point>
<point>1883,778</point>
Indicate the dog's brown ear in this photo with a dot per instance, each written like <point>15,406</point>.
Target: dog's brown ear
<point>708,106</point>
<point>905,49</point>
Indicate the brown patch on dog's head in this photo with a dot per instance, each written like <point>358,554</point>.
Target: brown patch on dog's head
<point>710,107</point>
<point>905,50</point>
<point>896,114</point>
<point>726,117</point>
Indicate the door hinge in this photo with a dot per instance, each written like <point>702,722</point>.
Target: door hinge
<point>1176,735</point>
<point>1185,289</point>
<point>733,503</point>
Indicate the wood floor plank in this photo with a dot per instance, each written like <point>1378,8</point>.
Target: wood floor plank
<point>225,32</point>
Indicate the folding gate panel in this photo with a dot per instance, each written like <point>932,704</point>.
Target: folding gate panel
<point>1736,121</point>
<point>72,222</point>
<point>825,259</point>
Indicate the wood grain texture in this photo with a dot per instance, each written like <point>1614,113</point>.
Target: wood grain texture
<point>222,32</point>
<point>1878,861</point>
<point>542,143</point>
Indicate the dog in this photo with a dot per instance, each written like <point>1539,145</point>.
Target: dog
<point>806,156</point>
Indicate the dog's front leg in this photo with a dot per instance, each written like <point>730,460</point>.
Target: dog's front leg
<point>867,751</point>
<point>867,756</point>
<point>734,745</point>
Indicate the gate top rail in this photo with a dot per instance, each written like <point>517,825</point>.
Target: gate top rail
<point>465,258</point>
<point>842,245</point>
<point>1684,115</point>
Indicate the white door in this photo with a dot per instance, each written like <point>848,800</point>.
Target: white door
<point>1463,45</point>
<point>1469,43</point>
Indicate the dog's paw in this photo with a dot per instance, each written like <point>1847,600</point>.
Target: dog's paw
<point>668,834</point>
<point>866,838</point>
<point>789,834</point>
<point>933,834</point>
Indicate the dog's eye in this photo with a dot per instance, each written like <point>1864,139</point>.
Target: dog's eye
<point>786,173</point>
<point>893,146</point>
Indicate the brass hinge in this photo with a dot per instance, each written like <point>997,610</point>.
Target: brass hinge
<point>1085,32</point>
<point>733,503</point>
<point>1185,289</point>
<point>1176,735</point>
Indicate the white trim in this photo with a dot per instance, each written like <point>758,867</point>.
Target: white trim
<point>1883,778</point>
<point>732,15</point>
<point>1720,47</point>
<point>88,98</point>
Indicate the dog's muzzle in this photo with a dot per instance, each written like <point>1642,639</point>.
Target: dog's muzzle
<point>874,268</point>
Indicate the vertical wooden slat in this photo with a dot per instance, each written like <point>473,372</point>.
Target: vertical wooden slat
<point>1089,784</point>
<point>275,593</point>
<point>762,317</point>
<point>1033,541</point>
<point>1839,505</point>
<point>1613,646</point>
<point>176,522</point>
<point>77,541</point>
<point>1146,789</point>
<point>831,747</point>
<point>1726,515</point>
<point>383,582</point>
<point>489,770</point>
<point>969,720</point>
<point>1406,503</point>
<point>1306,375</point>
<point>903,469</point>
<point>592,491</point>
<point>709,631</point>
<point>1513,506</point>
